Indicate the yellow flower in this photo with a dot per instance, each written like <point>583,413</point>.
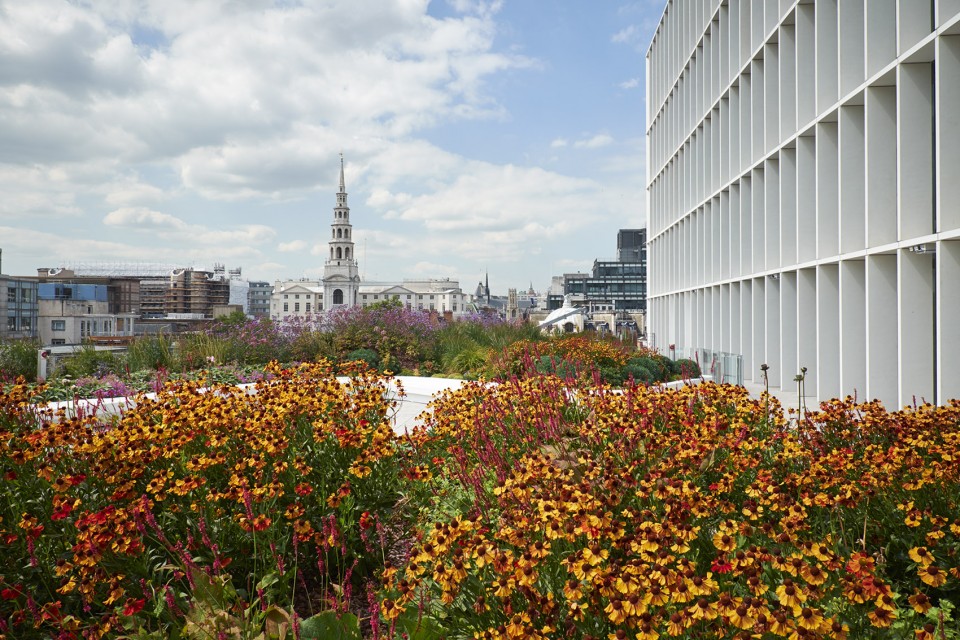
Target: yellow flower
<point>921,555</point>
<point>932,575</point>
<point>724,542</point>
<point>789,595</point>
<point>809,619</point>
<point>516,628</point>
<point>882,618</point>
<point>920,602</point>
<point>615,611</point>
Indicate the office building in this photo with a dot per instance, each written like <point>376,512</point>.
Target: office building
<point>803,200</point>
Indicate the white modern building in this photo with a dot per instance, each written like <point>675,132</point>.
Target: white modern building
<point>803,191</point>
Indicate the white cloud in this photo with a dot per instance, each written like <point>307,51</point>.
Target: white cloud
<point>627,34</point>
<point>292,247</point>
<point>594,142</point>
<point>209,129</point>
<point>632,83</point>
<point>238,240</point>
<point>141,217</point>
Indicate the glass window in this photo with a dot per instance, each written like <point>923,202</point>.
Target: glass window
<point>286,306</point>
<point>308,307</point>
<point>296,306</point>
<point>26,323</point>
<point>12,323</point>
<point>58,325</point>
<point>297,296</point>
<point>11,294</point>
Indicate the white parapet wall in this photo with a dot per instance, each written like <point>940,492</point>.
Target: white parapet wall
<point>417,394</point>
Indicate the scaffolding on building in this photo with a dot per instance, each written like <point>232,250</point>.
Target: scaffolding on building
<point>116,269</point>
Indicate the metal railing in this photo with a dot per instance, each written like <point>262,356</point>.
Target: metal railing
<point>723,366</point>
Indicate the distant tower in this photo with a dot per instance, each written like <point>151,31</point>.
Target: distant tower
<point>513,307</point>
<point>341,276</point>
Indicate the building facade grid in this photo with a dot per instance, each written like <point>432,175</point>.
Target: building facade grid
<point>804,207</point>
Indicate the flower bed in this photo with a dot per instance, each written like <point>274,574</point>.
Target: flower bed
<point>694,513</point>
<point>519,510</point>
<point>195,511</point>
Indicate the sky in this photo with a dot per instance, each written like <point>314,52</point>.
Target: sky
<point>500,136</point>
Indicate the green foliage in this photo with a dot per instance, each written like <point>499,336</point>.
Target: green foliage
<point>312,346</point>
<point>385,305</point>
<point>151,352</point>
<point>236,318</point>
<point>640,371</point>
<point>87,361</point>
<point>366,355</point>
<point>556,366</point>
<point>330,625</point>
<point>649,369</point>
<point>686,368</point>
<point>614,376</point>
<point>18,358</point>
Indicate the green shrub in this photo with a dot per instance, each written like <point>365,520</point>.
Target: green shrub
<point>18,358</point>
<point>366,355</point>
<point>87,361</point>
<point>151,352</point>
<point>614,376</point>
<point>556,366</point>
<point>312,346</point>
<point>657,366</point>
<point>640,372</point>
<point>688,368</point>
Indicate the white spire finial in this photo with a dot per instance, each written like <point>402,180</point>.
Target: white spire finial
<point>343,187</point>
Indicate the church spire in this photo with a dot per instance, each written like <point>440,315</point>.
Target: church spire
<point>341,277</point>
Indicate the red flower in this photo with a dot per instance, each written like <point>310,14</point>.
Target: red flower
<point>77,479</point>
<point>365,522</point>
<point>303,489</point>
<point>720,565</point>
<point>9,594</point>
<point>132,607</point>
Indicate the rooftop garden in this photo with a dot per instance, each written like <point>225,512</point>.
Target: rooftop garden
<point>554,503</point>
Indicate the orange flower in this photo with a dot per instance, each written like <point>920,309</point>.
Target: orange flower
<point>724,542</point>
<point>882,618</point>
<point>920,602</point>
<point>921,555</point>
<point>932,575</point>
<point>809,619</point>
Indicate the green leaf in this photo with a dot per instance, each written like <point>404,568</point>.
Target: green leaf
<point>327,625</point>
<point>420,627</point>
<point>268,581</point>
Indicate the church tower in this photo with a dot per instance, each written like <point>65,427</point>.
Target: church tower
<point>341,276</point>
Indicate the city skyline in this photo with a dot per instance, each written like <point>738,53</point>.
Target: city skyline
<point>478,136</point>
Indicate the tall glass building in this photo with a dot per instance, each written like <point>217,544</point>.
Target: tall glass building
<point>803,190</point>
